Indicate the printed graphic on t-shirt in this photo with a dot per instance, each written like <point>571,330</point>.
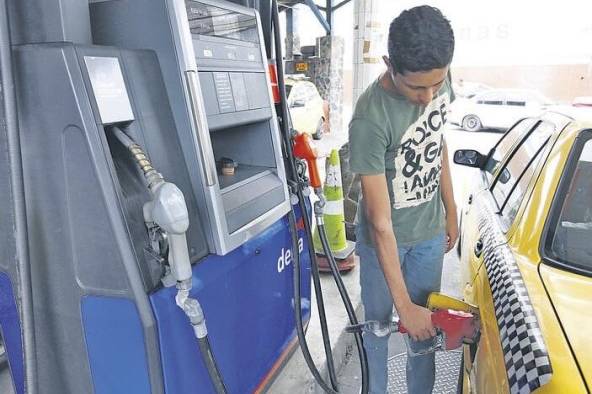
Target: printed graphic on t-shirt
<point>418,160</point>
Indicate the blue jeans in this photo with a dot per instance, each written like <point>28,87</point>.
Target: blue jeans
<point>422,270</point>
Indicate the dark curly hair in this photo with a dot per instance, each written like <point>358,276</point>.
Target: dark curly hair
<point>420,39</point>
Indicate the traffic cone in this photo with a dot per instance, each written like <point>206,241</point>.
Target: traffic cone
<point>334,219</point>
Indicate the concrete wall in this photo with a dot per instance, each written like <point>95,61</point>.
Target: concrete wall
<point>558,82</point>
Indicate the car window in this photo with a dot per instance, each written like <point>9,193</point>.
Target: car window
<point>571,233</point>
<point>511,184</point>
<point>516,99</point>
<point>538,99</point>
<point>505,144</point>
<point>491,98</point>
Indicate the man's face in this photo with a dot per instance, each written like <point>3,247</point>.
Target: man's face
<point>418,87</point>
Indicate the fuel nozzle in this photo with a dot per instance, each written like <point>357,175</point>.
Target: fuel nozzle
<point>168,210</point>
<point>304,149</point>
<point>453,329</point>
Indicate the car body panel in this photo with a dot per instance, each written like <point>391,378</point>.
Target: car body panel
<point>489,375</point>
<point>570,295</point>
<point>488,372</point>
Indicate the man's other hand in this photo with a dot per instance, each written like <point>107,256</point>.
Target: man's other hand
<point>417,320</point>
<point>451,231</point>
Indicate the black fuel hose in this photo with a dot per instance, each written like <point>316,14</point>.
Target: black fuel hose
<point>212,367</point>
<point>308,229</point>
<point>18,193</point>
<point>151,174</point>
<point>298,308</point>
<point>287,137</point>
<point>351,313</point>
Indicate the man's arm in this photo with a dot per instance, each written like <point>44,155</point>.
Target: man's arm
<point>447,195</point>
<point>416,319</point>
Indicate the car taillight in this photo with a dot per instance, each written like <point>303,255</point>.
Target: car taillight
<point>275,90</point>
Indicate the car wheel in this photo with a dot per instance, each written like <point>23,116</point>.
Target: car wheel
<point>471,123</point>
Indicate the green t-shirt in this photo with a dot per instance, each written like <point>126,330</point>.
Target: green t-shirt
<point>392,136</point>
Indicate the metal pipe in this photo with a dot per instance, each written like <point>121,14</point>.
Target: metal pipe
<point>317,13</point>
<point>338,6</point>
<point>18,190</point>
<point>329,13</point>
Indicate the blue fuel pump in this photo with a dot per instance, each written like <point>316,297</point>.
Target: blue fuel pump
<point>92,309</point>
<point>106,319</point>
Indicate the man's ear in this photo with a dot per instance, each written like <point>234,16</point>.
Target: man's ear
<point>386,61</point>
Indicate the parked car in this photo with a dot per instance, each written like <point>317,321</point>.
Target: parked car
<point>582,101</point>
<point>308,110</point>
<point>497,109</point>
<point>468,89</point>
<point>526,258</point>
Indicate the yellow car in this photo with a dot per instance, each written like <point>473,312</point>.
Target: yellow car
<point>526,254</point>
<point>307,109</point>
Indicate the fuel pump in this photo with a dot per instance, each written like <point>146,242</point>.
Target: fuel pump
<point>116,267</point>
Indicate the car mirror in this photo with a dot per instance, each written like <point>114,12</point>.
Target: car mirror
<point>469,157</point>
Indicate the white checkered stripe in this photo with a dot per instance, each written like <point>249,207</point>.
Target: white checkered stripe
<point>525,354</point>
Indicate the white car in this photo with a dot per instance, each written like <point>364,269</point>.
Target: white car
<point>497,109</point>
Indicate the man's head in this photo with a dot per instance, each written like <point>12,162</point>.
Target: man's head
<point>420,48</point>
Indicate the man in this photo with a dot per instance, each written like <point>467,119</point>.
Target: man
<point>407,215</point>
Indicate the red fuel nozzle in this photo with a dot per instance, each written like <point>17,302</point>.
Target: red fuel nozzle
<point>457,327</point>
<point>304,149</point>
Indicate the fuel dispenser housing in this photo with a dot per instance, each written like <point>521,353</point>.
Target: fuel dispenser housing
<point>104,320</point>
<point>215,67</point>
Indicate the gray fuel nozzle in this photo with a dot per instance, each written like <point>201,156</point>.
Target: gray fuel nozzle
<point>168,210</point>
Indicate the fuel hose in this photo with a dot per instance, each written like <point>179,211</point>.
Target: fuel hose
<point>288,144</point>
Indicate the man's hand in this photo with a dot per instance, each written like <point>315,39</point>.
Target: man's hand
<point>451,231</point>
<point>418,322</point>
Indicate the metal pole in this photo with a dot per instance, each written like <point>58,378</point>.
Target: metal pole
<point>289,34</point>
<point>315,10</point>
<point>329,13</point>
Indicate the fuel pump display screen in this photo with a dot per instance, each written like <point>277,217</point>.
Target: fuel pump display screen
<point>208,20</point>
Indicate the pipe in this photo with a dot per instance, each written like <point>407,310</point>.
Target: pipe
<point>20,214</point>
<point>291,165</point>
